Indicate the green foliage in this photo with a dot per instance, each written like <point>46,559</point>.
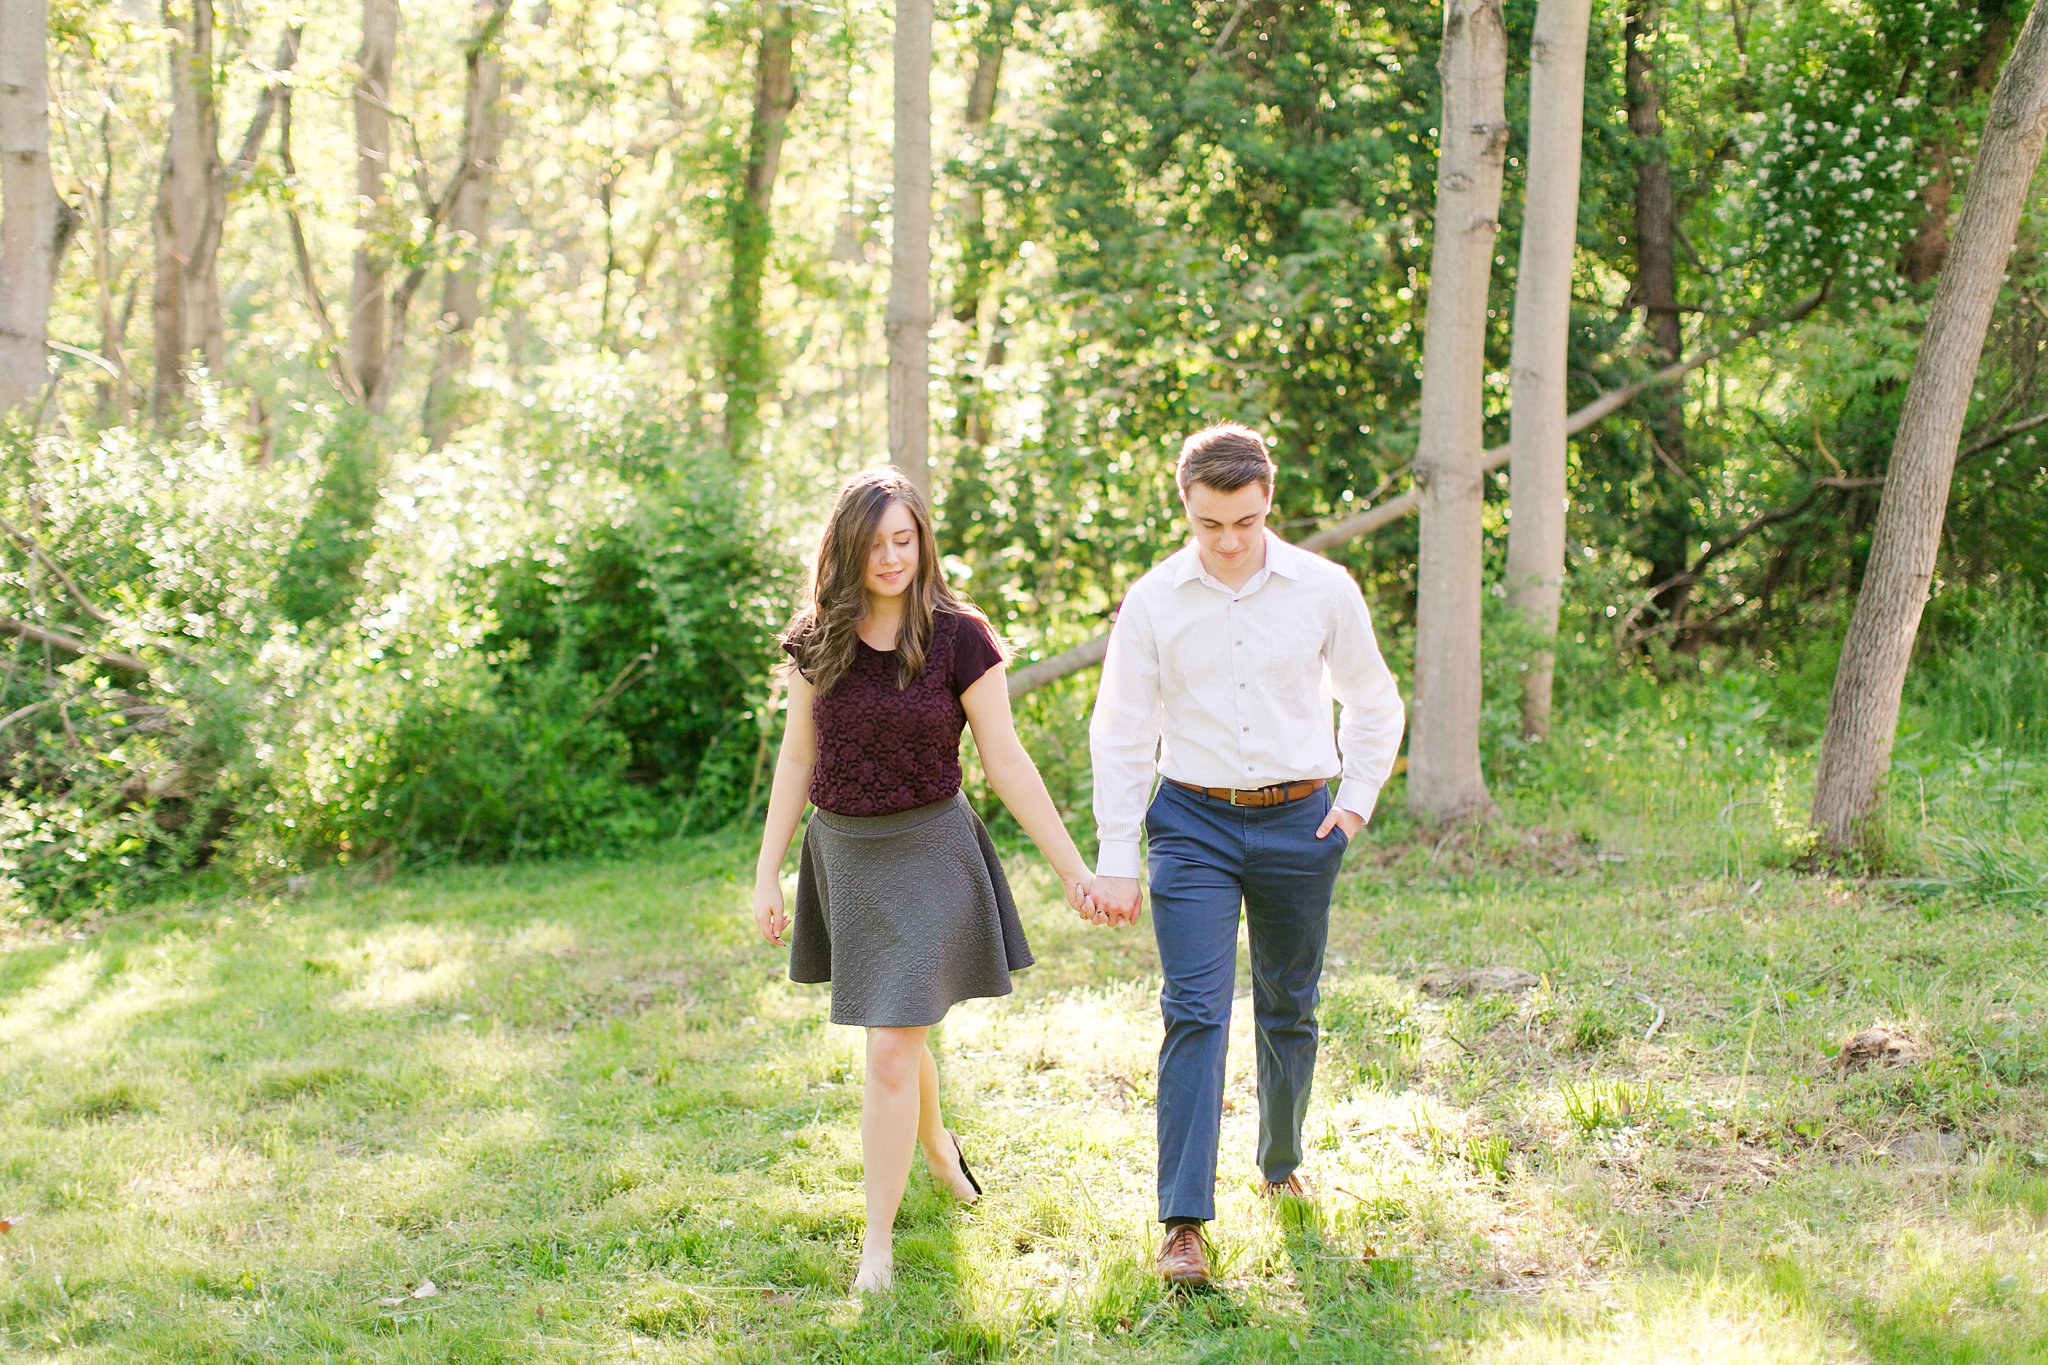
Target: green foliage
<point>552,650</point>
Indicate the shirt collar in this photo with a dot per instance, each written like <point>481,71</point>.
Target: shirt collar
<point>1281,558</point>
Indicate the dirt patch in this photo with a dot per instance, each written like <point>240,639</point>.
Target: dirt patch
<point>1501,980</point>
<point>1469,848</point>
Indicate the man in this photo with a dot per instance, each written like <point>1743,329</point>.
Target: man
<point>1220,674</point>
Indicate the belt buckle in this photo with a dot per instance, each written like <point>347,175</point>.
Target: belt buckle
<point>1236,792</point>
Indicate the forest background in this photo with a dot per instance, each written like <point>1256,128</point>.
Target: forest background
<point>414,424</point>
<point>451,515</point>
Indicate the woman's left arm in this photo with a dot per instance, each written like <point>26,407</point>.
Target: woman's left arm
<point>1016,780</point>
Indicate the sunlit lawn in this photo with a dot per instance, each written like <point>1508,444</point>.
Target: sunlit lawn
<point>569,1113</point>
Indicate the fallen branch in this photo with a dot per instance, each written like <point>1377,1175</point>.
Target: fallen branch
<point>70,644</point>
<point>1090,653</point>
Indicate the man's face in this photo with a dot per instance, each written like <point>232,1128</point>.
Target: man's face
<point>1228,527</point>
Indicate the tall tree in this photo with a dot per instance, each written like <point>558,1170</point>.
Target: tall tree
<point>1444,777</point>
<point>908,319</point>
<point>1863,713</point>
<point>1543,304</point>
<point>469,215</point>
<point>368,318</point>
<point>1656,292</point>
<point>742,340</point>
<point>191,206</point>
<point>31,216</point>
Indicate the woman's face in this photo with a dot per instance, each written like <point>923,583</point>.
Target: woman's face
<point>892,555</point>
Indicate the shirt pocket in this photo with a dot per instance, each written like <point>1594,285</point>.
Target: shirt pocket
<point>1292,662</point>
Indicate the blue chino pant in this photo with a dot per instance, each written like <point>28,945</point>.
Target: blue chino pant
<point>1206,859</point>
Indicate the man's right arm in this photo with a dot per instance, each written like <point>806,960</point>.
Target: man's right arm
<point>1123,743</point>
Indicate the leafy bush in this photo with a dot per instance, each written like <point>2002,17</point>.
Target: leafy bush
<point>556,638</point>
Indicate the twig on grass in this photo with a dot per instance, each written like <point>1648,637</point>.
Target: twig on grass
<point>1656,1023</point>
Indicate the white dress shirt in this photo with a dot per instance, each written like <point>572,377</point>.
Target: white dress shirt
<point>1224,687</point>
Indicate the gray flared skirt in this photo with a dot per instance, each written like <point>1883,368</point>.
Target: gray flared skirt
<point>906,914</point>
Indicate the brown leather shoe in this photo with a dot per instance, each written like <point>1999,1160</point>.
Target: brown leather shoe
<point>1184,1258</point>
<point>1290,1188</point>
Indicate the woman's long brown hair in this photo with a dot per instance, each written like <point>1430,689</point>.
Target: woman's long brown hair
<point>824,634</point>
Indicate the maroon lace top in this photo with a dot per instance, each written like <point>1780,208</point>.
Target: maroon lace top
<point>881,750</point>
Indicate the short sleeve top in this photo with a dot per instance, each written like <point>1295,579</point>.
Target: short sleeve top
<point>881,750</point>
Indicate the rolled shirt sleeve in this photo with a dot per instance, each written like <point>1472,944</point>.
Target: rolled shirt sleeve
<point>1123,739</point>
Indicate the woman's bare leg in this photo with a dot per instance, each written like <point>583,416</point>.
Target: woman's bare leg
<point>940,1156</point>
<point>889,1129</point>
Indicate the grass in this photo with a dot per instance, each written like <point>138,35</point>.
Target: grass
<point>573,1113</point>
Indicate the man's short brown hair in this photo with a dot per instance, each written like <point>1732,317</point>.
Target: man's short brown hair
<point>1226,457</point>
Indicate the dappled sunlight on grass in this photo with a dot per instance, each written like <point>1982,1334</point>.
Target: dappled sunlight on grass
<point>593,1114</point>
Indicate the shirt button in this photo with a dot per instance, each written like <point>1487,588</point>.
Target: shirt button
<point>1247,729</point>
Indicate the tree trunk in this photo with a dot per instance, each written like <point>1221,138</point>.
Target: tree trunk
<point>1864,711</point>
<point>1543,307</point>
<point>191,204</point>
<point>367,316</point>
<point>908,320</point>
<point>483,139</point>
<point>1670,532</point>
<point>30,218</point>
<point>744,360</point>
<point>1444,777</point>
<point>975,258</point>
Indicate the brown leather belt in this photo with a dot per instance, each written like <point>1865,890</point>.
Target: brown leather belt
<point>1278,794</point>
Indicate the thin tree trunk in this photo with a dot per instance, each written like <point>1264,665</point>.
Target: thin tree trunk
<point>1670,533</point>
<point>744,361</point>
<point>483,140</point>
<point>244,165</point>
<point>908,320</point>
<point>30,218</point>
<point>1863,714</point>
<point>367,316</point>
<point>1444,777</point>
<point>191,203</point>
<point>975,256</point>
<point>1543,305</point>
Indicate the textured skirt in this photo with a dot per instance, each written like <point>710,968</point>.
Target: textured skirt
<point>904,914</point>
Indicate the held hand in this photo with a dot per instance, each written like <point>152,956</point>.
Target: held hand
<point>769,916</point>
<point>1350,820</point>
<point>1081,899</point>
<point>1121,897</point>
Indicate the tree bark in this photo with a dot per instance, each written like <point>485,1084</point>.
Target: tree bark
<point>908,319</point>
<point>1863,713</point>
<point>368,319</point>
<point>1444,777</point>
<point>744,359</point>
<point>1670,532</point>
<point>483,140</point>
<point>1543,308</point>
<point>30,216</point>
<point>191,203</point>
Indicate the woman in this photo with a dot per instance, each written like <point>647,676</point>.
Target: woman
<point>901,903</point>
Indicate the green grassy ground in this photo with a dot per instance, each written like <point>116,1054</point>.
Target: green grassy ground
<point>576,1113</point>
